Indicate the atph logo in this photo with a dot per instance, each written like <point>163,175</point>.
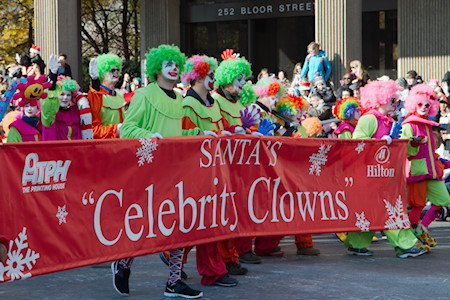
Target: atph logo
<point>382,155</point>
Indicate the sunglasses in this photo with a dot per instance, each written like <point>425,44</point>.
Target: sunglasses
<point>426,105</point>
<point>115,70</point>
<point>347,78</point>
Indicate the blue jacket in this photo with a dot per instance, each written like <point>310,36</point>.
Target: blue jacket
<point>314,64</point>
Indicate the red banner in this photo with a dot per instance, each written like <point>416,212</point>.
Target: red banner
<point>72,204</point>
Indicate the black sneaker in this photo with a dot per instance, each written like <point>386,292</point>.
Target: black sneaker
<point>226,280</point>
<point>412,252</point>
<point>359,252</point>
<point>120,278</point>
<point>166,262</point>
<point>235,268</point>
<point>181,289</point>
<point>249,258</point>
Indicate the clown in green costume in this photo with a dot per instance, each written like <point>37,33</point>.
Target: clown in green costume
<point>156,111</point>
<point>107,105</point>
<point>230,79</point>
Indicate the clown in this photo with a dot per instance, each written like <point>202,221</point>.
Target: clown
<point>27,126</point>
<point>291,110</point>
<point>156,111</point>
<point>422,173</point>
<point>380,97</point>
<point>230,79</point>
<point>347,110</point>
<point>107,105</point>
<point>199,108</point>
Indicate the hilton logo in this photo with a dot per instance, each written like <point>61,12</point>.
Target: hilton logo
<point>381,156</point>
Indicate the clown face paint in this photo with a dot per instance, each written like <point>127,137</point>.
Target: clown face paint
<point>357,114</point>
<point>209,81</point>
<point>301,115</point>
<point>273,101</point>
<point>65,99</point>
<point>30,111</point>
<point>238,83</point>
<point>113,75</point>
<point>170,70</point>
<point>423,108</point>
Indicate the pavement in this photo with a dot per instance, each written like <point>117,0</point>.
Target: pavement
<point>331,275</point>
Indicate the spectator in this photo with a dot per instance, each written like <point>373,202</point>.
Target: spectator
<point>411,79</point>
<point>135,84</point>
<point>64,67</point>
<point>263,73</point>
<point>304,90</point>
<point>362,77</point>
<point>318,108</point>
<point>316,62</point>
<point>325,91</point>
<point>282,78</point>
<point>346,93</point>
<point>346,82</point>
<point>445,84</point>
<point>442,115</point>
<point>296,80</point>
<point>35,57</point>
<point>126,84</point>
<point>355,90</point>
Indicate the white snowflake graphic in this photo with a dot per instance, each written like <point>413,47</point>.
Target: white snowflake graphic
<point>360,147</point>
<point>62,214</point>
<point>16,262</point>
<point>318,159</point>
<point>362,223</point>
<point>145,152</point>
<point>398,218</point>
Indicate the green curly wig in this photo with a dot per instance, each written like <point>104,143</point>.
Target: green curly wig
<point>248,95</point>
<point>156,56</point>
<point>69,85</point>
<point>106,62</point>
<point>231,68</point>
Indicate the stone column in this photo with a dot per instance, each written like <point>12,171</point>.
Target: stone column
<point>422,38</point>
<point>57,30</point>
<point>338,26</point>
<point>160,24</point>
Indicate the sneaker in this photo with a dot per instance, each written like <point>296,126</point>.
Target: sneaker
<point>120,278</point>
<point>359,252</point>
<point>342,236</point>
<point>166,262</point>
<point>276,252</point>
<point>412,252</point>
<point>235,268</point>
<point>442,213</point>
<point>226,280</point>
<point>311,251</point>
<point>249,258</point>
<point>181,289</point>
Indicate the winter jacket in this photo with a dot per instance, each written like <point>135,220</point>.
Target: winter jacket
<point>313,64</point>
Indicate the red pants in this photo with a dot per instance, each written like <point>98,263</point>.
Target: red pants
<point>263,245</point>
<point>228,251</point>
<point>304,241</point>
<point>210,264</point>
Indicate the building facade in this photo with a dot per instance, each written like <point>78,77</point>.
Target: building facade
<point>390,37</point>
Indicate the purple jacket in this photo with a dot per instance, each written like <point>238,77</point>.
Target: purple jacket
<point>384,124</point>
<point>66,126</point>
<point>27,132</point>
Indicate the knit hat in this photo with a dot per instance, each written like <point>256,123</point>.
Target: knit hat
<point>35,49</point>
<point>230,68</point>
<point>401,82</point>
<point>319,79</point>
<point>197,67</point>
<point>305,86</point>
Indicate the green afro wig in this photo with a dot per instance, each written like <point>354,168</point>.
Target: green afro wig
<point>156,56</point>
<point>106,62</point>
<point>69,85</point>
<point>248,95</point>
<point>231,68</point>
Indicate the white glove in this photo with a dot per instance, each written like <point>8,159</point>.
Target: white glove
<point>156,135</point>
<point>93,72</point>
<point>118,128</point>
<point>387,138</point>
<point>53,64</point>
<point>239,130</point>
<point>224,132</point>
<point>257,133</point>
<point>207,132</point>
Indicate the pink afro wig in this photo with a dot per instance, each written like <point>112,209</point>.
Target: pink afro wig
<point>422,93</point>
<point>377,93</point>
<point>197,67</point>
